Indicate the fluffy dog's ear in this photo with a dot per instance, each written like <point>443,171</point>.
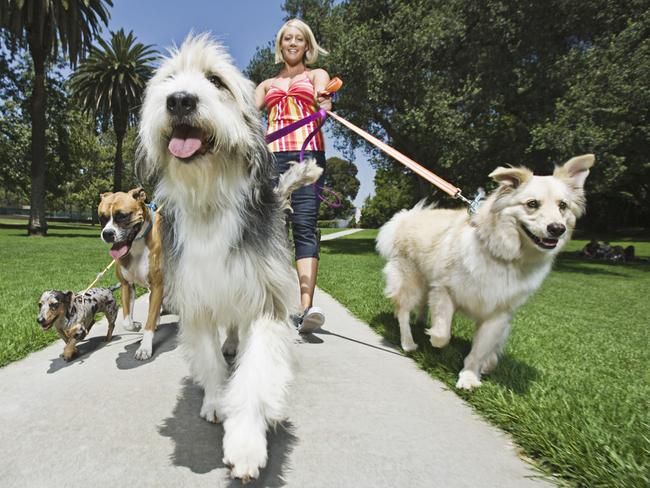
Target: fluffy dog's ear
<point>512,177</point>
<point>67,297</point>
<point>138,194</point>
<point>105,195</point>
<point>576,170</point>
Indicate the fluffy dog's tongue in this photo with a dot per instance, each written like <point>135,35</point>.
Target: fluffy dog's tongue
<point>118,250</point>
<point>185,142</point>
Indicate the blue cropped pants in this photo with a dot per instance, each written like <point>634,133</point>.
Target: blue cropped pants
<point>305,203</point>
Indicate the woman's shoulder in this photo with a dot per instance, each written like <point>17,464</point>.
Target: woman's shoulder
<point>266,84</point>
<point>317,72</point>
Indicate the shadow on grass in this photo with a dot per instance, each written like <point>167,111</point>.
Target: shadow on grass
<point>84,350</point>
<point>448,361</point>
<point>164,340</point>
<point>570,263</point>
<point>349,246</point>
<point>198,443</point>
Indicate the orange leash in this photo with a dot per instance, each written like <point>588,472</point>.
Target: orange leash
<point>334,85</point>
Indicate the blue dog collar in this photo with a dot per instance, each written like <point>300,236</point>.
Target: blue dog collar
<point>152,208</point>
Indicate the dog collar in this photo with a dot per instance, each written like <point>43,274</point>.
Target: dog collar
<point>152,208</point>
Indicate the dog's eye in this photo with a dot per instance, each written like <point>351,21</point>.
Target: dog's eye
<point>216,81</point>
<point>532,204</point>
<point>53,306</point>
<point>121,216</point>
<point>103,220</point>
<point>563,205</point>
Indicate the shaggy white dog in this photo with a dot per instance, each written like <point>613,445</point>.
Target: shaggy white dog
<point>486,265</point>
<point>227,262</point>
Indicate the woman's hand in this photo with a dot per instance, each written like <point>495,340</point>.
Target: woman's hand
<point>324,100</point>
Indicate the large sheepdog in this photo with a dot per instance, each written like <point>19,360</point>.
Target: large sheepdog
<point>227,263</point>
<point>487,264</point>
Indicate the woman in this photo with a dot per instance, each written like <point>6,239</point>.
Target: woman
<point>295,93</point>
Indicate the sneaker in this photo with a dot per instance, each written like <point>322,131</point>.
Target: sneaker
<point>312,319</point>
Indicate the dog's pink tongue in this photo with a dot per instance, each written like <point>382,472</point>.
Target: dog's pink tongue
<point>185,142</point>
<point>118,251</point>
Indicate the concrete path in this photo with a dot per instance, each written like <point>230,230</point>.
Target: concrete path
<point>361,415</point>
<point>342,233</point>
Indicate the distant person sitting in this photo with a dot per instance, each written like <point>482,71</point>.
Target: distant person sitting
<point>591,249</point>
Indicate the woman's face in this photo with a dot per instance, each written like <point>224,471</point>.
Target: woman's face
<point>293,46</point>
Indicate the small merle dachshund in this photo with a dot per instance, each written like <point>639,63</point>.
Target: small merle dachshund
<point>73,315</point>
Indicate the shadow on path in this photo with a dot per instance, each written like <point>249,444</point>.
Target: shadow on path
<point>198,443</point>
<point>164,340</point>
<point>84,350</point>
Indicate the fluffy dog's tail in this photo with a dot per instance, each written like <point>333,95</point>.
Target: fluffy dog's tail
<point>388,231</point>
<point>298,174</point>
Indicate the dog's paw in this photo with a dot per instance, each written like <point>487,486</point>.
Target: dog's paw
<point>132,327</point>
<point>409,346</point>
<point>146,346</point>
<point>467,380</point>
<point>210,410</point>
<point>143,353</point>
<point>245,454</point>
<point>436,339</point>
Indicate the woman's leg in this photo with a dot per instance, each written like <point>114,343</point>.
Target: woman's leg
<point>307,272</point>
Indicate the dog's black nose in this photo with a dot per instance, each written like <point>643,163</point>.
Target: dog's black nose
<point>40,320</point>
<point>108,235</point>
<point>555,229</point>
<point>181,103</point>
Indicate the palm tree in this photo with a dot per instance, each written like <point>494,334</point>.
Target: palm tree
<point>45,26</point>
<point>110,84</point>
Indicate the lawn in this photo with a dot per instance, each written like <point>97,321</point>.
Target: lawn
<point>573,387</point>
<point>68,259</point>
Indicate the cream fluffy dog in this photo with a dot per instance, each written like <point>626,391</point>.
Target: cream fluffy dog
<point>227,261</point>
<point>486,265</point>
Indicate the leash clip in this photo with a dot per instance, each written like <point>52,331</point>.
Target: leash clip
<point>474,204</point>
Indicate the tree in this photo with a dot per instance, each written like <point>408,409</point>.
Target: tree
<point>341,179</point>
<point>45,26</point>
<point>110,85</point>
<point>463,87</point>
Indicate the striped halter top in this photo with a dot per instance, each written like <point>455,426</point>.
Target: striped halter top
<point>287,107</point>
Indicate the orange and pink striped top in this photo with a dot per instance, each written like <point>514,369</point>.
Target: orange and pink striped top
<point>287,107</point>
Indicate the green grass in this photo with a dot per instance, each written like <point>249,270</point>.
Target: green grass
<point>573,387</point>
<point>325,231</point>
<point>68,259</point>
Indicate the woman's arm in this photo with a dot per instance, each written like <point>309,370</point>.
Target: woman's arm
<point>320,79</point>
<point>260,93</point>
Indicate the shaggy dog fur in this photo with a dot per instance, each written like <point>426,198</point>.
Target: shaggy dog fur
<point>227,261</point>
<point>487,264</point>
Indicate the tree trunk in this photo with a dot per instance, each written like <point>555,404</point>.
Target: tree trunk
<point>120,122</point>
<point>117,167</point>
<point>37,223</point>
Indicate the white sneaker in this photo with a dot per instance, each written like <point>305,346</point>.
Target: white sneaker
<point>312,320</point>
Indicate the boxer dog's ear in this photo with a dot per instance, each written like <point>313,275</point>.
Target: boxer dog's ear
<point>138,194</point>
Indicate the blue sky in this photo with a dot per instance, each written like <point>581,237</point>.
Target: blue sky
<point>241,26</point>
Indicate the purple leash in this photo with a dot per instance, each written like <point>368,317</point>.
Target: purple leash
<point>321,115</point>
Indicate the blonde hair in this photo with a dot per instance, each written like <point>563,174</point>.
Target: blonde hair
<point>313,49</point>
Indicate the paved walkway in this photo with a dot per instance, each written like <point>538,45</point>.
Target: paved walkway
<point>361,415</point>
